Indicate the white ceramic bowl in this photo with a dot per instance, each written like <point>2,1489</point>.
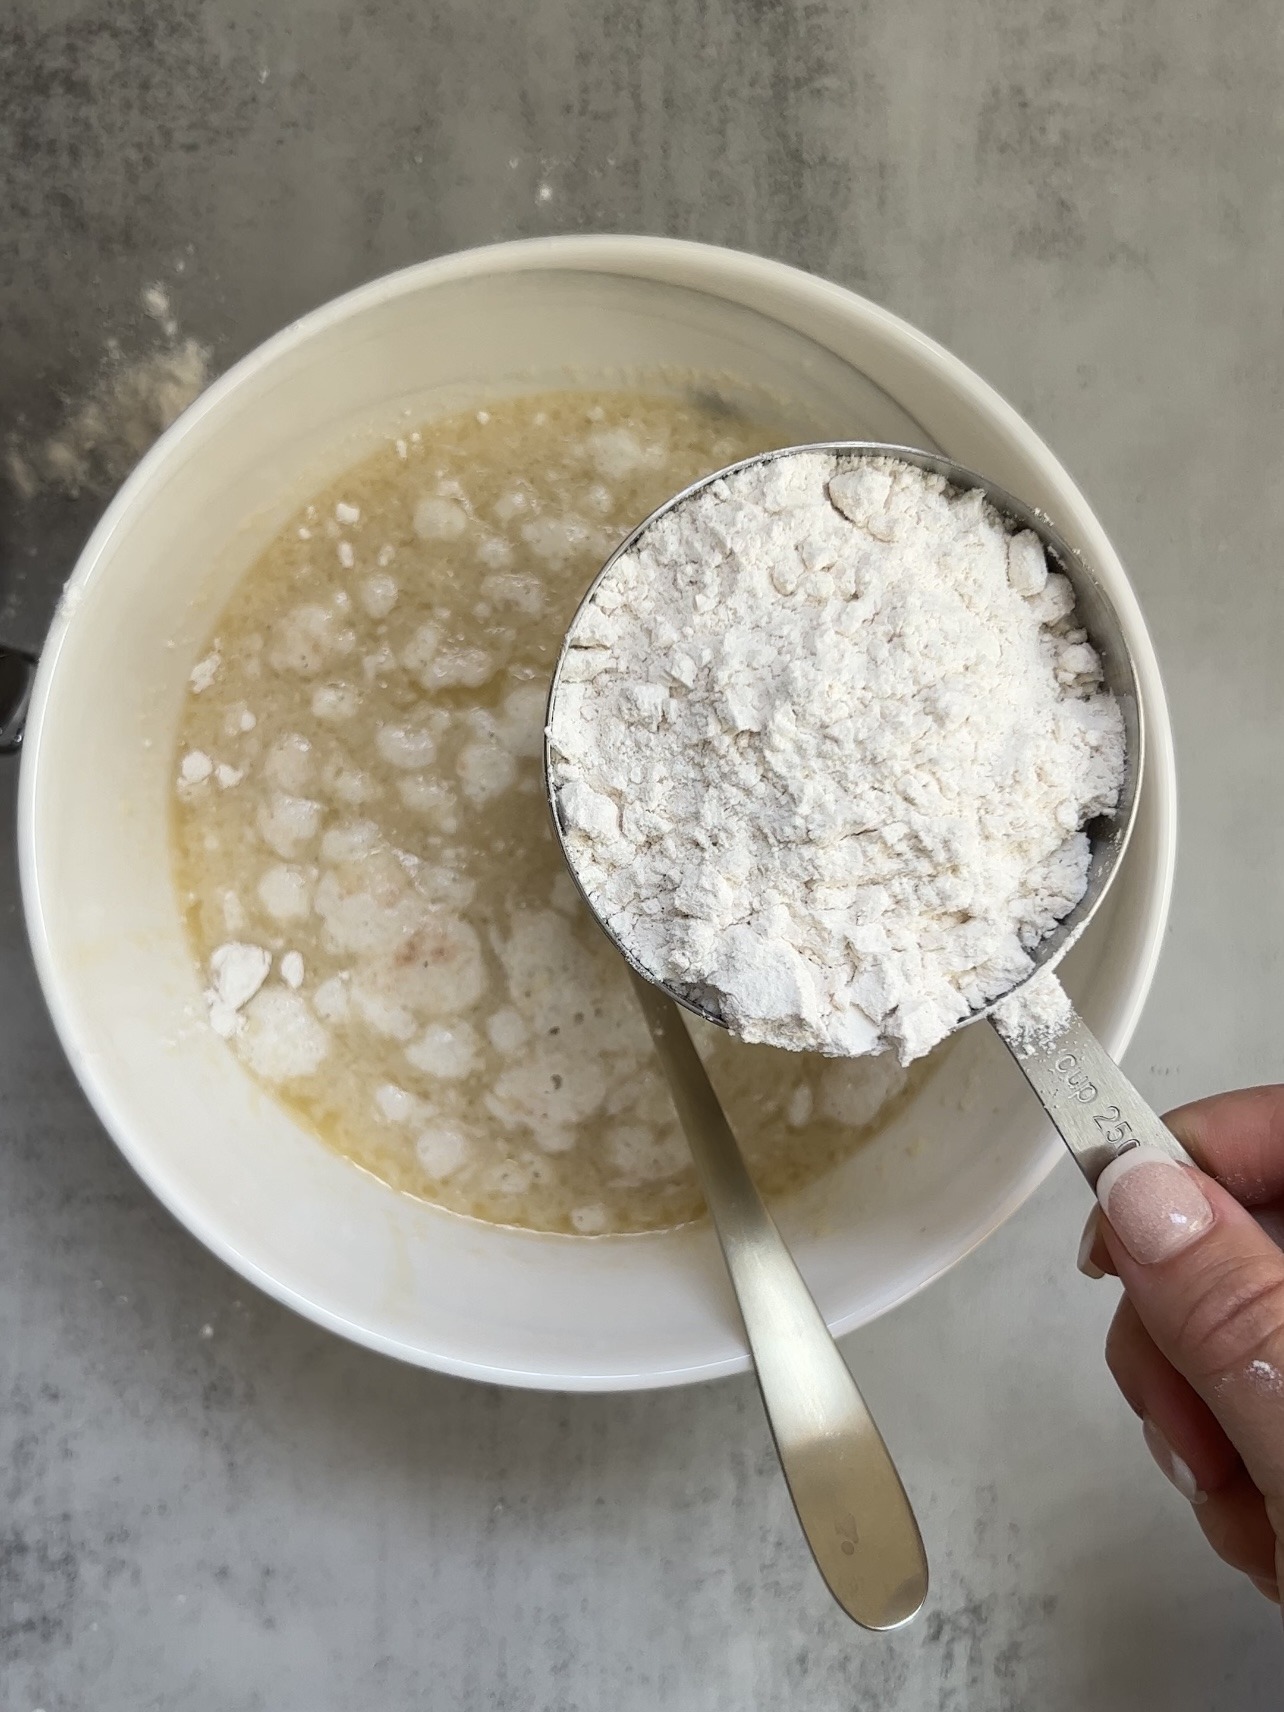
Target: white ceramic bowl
<point>496,1304</point>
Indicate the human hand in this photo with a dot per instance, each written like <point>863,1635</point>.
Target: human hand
<point>1197,1343</point>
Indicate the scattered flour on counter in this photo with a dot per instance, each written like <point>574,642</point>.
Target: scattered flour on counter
<point>824,746</point>
<point>103,436</point>
<point>156,303</point>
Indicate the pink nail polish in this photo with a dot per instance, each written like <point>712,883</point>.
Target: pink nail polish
<point>1155,1205</point>
<point>1170,1464</point>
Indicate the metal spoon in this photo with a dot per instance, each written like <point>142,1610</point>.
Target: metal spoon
<point>849,1498</point>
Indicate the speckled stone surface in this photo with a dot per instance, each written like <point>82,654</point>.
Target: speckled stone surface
<point>207,1505</point>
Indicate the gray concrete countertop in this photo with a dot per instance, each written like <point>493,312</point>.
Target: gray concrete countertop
<point>209,1504</point>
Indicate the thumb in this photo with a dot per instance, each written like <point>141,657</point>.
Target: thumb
<point>1208,1285</point>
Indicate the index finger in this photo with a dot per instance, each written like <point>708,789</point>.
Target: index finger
<point>1238,1138</point>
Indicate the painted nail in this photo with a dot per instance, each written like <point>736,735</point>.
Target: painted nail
<point>1269,1588</point>
<point>1155,1205</point>
<point>1170,1464</point>
<point>1086,1264</point>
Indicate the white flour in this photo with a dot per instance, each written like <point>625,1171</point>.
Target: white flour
<point>824,746</point>
<point>130,403</point>
<point>1036,1016</point>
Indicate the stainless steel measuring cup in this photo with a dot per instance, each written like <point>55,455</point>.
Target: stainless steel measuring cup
<point>1095,1108</point>
<point>849,1498</point>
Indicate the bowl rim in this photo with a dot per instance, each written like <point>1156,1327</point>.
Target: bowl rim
<point>641,257</point>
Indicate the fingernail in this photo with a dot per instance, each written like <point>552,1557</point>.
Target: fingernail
<point>1155,1205</point>
<point>1170,1464</point>
<point>1269,1588</point>
<point>1086,1264</point>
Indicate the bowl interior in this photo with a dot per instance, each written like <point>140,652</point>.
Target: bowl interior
<point>318,1233</point>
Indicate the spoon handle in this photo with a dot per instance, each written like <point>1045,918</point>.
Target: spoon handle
<point>848,1495</point>
<point>1097,1111</point>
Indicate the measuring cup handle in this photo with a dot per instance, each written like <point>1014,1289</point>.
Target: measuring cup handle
<point>1097,1111</point>
<point>17,672</point>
